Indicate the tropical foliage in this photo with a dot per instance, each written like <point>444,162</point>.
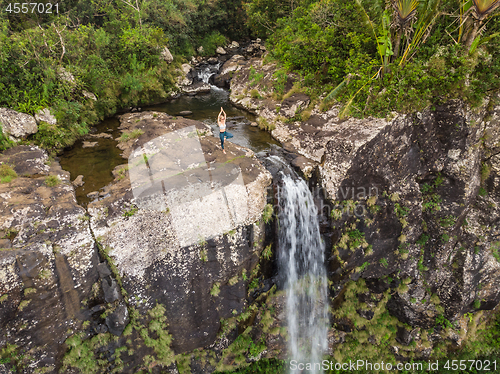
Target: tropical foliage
<point>378,57</point>
<point>112,48</point>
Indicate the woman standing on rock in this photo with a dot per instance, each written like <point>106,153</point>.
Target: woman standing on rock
<point>221,120</point>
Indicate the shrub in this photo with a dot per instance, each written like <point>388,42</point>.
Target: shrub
<point>52,180</point>
<point>130,135</point>
<point>211,42</point>
<point>254,94</point>
<point>215,291</point>
<point>7,174</point>
<point>5,142</point>
<point>267,214</point>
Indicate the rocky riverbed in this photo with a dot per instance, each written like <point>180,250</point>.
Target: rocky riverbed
<point>411,204</point>
<point>82,276</point>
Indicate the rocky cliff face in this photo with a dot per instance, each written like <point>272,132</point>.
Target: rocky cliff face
<point>414,202</point>
<point>113,288</point>
<point>48,260</point>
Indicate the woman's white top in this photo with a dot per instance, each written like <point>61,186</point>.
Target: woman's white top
<point>222,127</point>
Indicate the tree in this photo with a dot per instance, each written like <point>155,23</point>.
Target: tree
<point>480,10</point>
<point>404,14</point>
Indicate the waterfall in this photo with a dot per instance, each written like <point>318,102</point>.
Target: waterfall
<point>301,264</point>
<point>207,71</point>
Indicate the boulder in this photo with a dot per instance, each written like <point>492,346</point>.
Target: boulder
<point>78,182</point>
<point>223,79</point>
<point>118,320</point>
<point>221,51</point>
<point>17,125</point>
<point>26,160</point>
<point>111,290</point>
<point>200,49</point>
<point>66,76</point>
<point>185,113</point>
<point>44,115</point>
<point>89,95</point>
<point>93,195</point>
<point>175,251</point>
<point>166,55</point>
<point>103,270</point>
<point>213,60</point>
<point>293,104</point>
<point>89,144</point>
<point>49,269</point>
<point>196,88</point>
<point>234,44</point>
<point>184,78</point>
<point>101,135</point>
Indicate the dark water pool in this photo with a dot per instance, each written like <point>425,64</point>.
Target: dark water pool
<point>206,108</point>
<point>96,163</point>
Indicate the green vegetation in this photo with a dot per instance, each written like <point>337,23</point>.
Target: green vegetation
<point>267,253</point>
<point>375,58</point>
<point>7,174</point>
<point>431,199</point>
<point>109,48</point>
<point>130,135</point>
<point>441,320</point>
<point>263,366</point>
<point>5,141</point>
<point>447,221</point>
<point>9,354</point>
<point>422,240</point>
<point>401,211</point>
<point>267,214</point>
<point>495,250</point>
<point>265,125</point>
<point>52,180</point>
<point>482,192</point>
<point>23,304</point>
<point>89,355</point>
<point>215,291</point>
<point>203,255</point>
<point>130,212</point>
<point>254,77</point>
<point>29,291</point>
<point>254,94</point>
<point>352,239</point>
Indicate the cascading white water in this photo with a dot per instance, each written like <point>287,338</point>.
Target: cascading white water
<point>207,71</point>
<point>301,263</point>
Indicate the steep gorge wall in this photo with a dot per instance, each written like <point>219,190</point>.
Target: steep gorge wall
<point>414,201</point>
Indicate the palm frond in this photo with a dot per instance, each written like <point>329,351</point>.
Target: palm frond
<point>368,20</point>
<point>405,10</point>
<point>482,8</point>
<point>333,94</point>
<point>429,11</point>
<point>479,41</point>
